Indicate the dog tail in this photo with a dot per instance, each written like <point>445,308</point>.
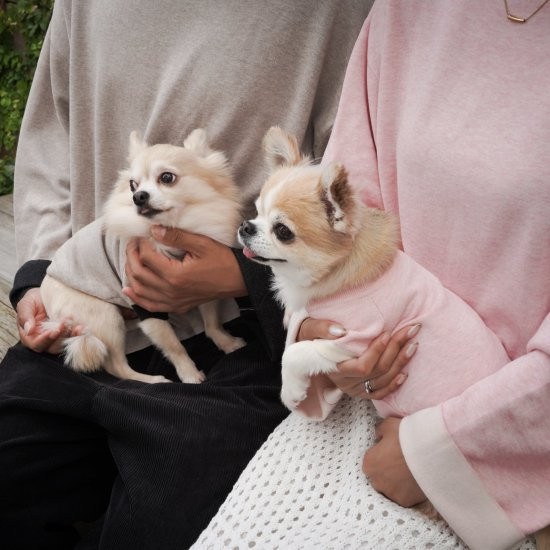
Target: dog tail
<point>85,353</point>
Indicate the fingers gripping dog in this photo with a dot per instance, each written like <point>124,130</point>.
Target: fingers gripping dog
<point>187,187</point>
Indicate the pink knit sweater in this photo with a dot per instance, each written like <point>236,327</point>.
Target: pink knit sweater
<point>444,119</point>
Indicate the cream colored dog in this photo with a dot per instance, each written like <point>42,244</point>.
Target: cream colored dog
<point>187,187</point>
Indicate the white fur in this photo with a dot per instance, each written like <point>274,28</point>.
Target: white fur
<point>301,361</point>
<point>204,200</point>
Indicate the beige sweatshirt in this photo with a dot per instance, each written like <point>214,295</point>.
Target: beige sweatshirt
<point>232,67</point>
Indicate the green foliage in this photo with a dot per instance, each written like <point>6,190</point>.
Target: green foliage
<point>23,24</point>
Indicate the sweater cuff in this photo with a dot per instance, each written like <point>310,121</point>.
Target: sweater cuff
<point>451,484</point>
<point>29,275</point>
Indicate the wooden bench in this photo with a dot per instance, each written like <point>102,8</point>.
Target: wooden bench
<point>8,266</point>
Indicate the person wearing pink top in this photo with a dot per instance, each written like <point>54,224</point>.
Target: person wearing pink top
<point>444,119</point>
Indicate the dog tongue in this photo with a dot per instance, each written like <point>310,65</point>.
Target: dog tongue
<point>248,253</point>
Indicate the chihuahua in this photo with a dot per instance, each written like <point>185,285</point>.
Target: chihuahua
<point>187,187</point>
<point>338,259</point>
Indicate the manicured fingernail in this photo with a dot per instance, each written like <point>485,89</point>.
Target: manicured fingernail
<point>27,327</point>
<point>400,378</point>
<point>336,330</point>
<point>158,231</point>
<point>411,349</point>
<point>413,331</point>
<point>385,338</point>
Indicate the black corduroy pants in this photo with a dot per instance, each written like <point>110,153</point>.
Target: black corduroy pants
<point>152,462</point>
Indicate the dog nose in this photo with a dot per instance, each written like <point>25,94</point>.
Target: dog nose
<point>140,198</point>
<point>247,228</point>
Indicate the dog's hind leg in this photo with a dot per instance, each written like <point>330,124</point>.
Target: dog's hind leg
<point>117,365</point>
<point>214,330</point>
<point>116,362</point>
<point>160,332</point>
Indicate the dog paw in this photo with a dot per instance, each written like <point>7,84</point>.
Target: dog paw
<point>158,380</point>
<point>196,377</point>
<point>232,344</point>
<point>225,342</point>
<point>292,395</point>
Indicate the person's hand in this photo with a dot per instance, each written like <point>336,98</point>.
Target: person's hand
<point>385,466</point>
<point>381,363</point>
<point>30,315</point>
<point>208,271</point>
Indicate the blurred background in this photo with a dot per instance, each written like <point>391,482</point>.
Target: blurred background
<point>23,24</point>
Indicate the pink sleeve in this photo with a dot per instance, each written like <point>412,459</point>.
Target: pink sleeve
<point>355,122</point>
<point>322,397</point>
<point>483,458</point>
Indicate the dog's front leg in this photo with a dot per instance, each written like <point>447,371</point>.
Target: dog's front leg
<point>161,333</point>
<point>300,361</point>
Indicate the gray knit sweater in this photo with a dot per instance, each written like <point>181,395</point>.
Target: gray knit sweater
<point>108,67</point>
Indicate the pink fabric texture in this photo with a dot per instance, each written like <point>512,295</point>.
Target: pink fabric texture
<point>404,295</point>
<point>444,119</point>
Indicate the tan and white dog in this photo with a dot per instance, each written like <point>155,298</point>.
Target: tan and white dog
<point>317,238</point>
<point>187,187</point>
<point>338,259</point>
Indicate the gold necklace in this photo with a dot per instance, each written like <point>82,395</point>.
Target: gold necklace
<point>517,19</point>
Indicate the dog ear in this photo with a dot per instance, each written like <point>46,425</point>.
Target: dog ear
<point>338,198</point>
<point>197,142</point>
<point>137,145</point>
<point>281,149</point>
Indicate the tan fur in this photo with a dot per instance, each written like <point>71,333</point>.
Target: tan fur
<point>339,241</point>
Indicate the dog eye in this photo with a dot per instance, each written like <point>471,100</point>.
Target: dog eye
<point>282,232</point>
<point>166,178</point>
<point>133,185</point>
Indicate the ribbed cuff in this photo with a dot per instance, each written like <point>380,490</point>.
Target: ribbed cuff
<point>29,275</point>
<point>451,484</point>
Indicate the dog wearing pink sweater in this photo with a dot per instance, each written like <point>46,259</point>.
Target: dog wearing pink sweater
<point>334,258</point>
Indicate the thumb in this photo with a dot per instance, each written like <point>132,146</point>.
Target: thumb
<point>311,329</point>
<point>26,315</point>
<point>182,240</point>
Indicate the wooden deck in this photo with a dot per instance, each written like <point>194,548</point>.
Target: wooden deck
<point>8,266</point>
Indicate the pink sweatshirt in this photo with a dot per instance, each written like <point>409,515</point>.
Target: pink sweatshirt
<point>404,295</point>
<point>444,119</point>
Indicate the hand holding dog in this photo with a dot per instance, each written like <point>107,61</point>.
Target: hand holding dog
<point>208,271</point>
<point>385,466</point>
<point>381,363</point>
<point>30,314</point>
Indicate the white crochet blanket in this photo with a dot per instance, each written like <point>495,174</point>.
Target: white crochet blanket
<point>304,489</point>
